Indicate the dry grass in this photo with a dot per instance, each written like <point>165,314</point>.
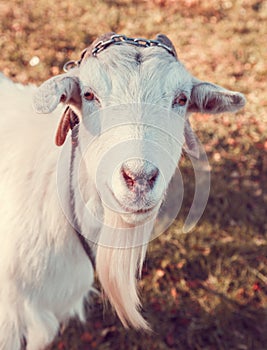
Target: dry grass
<point>207,289</point>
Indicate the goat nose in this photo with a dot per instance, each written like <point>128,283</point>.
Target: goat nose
<point>140,175</point>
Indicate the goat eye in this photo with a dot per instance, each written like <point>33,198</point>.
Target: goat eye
<point>89,95</point>
<point>180,101</point>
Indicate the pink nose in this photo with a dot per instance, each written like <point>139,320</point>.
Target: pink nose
<point>139,175</point>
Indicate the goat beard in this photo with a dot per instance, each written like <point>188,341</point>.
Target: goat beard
<point>120,255</point>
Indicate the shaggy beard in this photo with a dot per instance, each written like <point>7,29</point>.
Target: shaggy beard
<point>119,258</point>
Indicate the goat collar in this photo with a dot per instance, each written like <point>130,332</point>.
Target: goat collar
<point>117,39</point>
<point>77,228</point>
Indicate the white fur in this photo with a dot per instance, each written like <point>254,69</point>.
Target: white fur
<point>44,272</point>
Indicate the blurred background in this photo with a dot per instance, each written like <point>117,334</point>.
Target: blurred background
<point>206,289</point>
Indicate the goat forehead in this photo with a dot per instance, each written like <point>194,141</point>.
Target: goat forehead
<point>135,74</point>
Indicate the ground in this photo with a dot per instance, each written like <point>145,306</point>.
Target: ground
<point>206,289</point>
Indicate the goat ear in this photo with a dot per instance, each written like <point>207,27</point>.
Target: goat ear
<point>191,145</point>
<point>211,98</point>
<point>62,88</point>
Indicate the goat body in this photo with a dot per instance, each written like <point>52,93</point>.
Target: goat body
<point>44,271</point>
<point>120,97</point>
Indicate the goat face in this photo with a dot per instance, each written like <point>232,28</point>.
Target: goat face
<point>135,101</point>
<point>133,104</point>
<point>135,113</point>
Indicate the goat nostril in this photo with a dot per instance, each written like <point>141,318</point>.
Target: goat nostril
<point>128,178</point>
<point>153,177</point>
<point>140,180</point>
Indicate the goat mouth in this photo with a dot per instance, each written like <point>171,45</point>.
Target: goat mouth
<point>144,211</point>
<point>127,210</point>
<point>141,211</point>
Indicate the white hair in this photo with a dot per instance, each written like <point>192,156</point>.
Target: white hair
<point>108,183</point>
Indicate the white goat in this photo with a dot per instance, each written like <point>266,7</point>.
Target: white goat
<point>113,174</point>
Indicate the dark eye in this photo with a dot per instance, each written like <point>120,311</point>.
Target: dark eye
<point>180,100</point>
<point>89,96</point>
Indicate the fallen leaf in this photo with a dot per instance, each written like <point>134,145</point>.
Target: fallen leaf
<point>87,337</point>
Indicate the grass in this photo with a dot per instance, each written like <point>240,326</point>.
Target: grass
<point>206,289</point>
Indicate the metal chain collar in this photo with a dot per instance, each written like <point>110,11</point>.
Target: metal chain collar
<point>118,39</point>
